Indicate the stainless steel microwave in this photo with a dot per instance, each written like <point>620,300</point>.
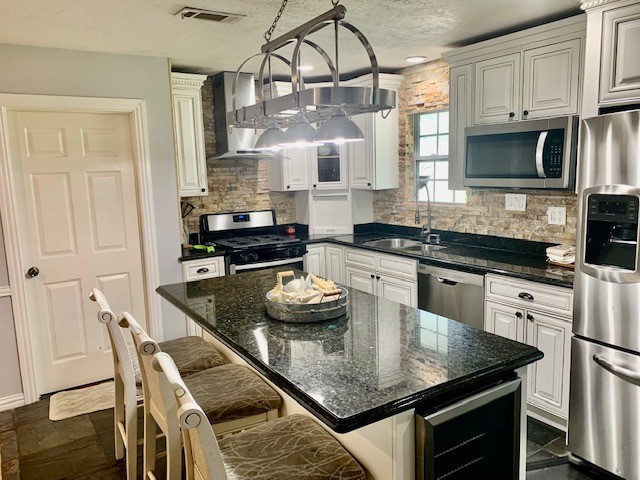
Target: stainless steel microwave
<point>527,154</point>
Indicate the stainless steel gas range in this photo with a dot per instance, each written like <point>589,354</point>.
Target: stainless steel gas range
<point>251,240</point>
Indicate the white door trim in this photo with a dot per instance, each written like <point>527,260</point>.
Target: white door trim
<point>136,109</point>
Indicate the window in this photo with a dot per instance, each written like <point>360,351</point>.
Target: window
<point>431,153</point>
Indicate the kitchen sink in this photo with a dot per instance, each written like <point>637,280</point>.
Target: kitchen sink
<point>393,243</point>
<point>423,248</point>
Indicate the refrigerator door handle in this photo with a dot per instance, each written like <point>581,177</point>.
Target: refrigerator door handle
<point>621,372</point>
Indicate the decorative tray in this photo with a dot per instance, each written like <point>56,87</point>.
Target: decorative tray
<point>307,312</point>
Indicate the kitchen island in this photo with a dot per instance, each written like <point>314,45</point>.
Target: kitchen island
<point>363,373</point>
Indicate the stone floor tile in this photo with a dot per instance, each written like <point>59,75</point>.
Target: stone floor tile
<point>83,456</point>
<point>33,411</point>
<point>540,433</point>
<point>7,420</point>
<point>43,434</point>
<point>539,456</point>
<point>532,448</point>
<point>561,472</point>
<point>557,447</point>
<point>8,445</point>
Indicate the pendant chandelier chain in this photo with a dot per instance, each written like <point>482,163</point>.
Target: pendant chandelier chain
<point>268,33</point>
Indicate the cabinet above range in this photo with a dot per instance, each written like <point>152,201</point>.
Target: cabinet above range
<point>531,74</point>
<point>371,164</point>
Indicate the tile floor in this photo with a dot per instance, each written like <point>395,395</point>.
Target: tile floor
<point>32,447</point>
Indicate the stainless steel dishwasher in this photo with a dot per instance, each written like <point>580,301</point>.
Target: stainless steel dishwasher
<point>451,293</point>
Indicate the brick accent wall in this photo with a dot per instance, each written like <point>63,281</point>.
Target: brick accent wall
<point>235,184</point>
<point>426,88</point>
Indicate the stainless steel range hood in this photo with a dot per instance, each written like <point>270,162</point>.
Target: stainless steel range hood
<point>234,142</point>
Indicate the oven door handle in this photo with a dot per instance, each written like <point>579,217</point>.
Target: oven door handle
<point>275,263</point>
<point>542,139</point>
<point>621,372</point>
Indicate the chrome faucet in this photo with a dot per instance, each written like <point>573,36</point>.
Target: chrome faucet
<point>426,227</point>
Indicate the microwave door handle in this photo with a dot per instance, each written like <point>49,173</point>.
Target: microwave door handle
<point>542,139</point>
<point>621,372</point>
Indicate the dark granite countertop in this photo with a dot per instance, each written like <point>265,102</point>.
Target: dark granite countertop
<point>473,253</point>
<point>528,266</point>
<point>379,360</point>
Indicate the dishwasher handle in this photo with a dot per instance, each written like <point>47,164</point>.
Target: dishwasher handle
<point>448,276</point>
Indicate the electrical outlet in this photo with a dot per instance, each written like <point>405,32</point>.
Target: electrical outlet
<point>516,202</point>
<point>557,216</point>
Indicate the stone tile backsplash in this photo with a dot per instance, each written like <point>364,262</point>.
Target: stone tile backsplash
<point>426,88</point>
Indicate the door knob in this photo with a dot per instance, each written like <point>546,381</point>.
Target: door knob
<point>33,272</point>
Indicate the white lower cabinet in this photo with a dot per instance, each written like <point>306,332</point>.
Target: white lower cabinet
<point>387,276</point>
<point>193,270</point>
<point>540,325</point>
<point>548,378</point>
<point>334,263</point>
<point>314,260</point>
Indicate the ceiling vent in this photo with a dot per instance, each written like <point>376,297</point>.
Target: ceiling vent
<point>219,17</point>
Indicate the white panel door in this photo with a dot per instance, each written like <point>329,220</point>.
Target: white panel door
<point>361,280</point>
<point>551,80</point>
<point>620,74</point>
<point>80,230</point>
<point>498,89</point>
<point>334,263</point>
<point>549,377</point>
<point>504,320</point>
<point>295,168</point>
<point>401,291</point>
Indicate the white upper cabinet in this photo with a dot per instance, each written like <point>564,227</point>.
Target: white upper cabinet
<point>461,116</point>
<point>329,171</point>
<point>188,128</point>
<point>534,73</point>
<point>498,89</point>
<point>551,80</point>
<point>620,74</point>
<point>373,163</point>
<point>290,172</point>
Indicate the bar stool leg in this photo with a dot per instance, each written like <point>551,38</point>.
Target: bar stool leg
<point>149,457</point>
<point>118,413</point>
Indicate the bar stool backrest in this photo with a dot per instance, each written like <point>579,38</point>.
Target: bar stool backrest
<point>202,453</point>
<point>146,347</point>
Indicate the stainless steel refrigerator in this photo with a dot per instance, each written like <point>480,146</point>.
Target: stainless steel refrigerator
<point>604,407</point>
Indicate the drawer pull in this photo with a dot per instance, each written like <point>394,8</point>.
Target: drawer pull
<point>518,314</point>
<point>525,296</point>
<point>529,317</point>
<point>202,270</point>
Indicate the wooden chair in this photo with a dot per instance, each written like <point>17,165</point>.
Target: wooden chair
<point>233,397</point>
<point>293,447</point>
<point>191,355</point>
<point>126,405</point>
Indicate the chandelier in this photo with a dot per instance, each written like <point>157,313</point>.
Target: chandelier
<point>289,120</point>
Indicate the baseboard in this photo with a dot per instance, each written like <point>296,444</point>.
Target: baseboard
<point>12,401</point>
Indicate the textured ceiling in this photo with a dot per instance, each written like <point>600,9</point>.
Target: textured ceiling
<point>396,28</point>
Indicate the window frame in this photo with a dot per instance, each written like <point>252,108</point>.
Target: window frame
<point>418,159</point>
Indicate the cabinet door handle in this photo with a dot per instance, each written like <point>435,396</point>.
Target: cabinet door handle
<point>525,296</point>
<point>368,184</point>
<point>377,277</point>
<point>512,114</point>
<point>288,186</point>
<point>202,270</point>
<point>202,190</point>
<point>518,314</point>
<point>314,185</point>
<point>529,317</point>
<point>525,113</point>
<point>373,276</point>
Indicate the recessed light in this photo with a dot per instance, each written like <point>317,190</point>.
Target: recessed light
<point>305,68</point>
<point>416,59</point>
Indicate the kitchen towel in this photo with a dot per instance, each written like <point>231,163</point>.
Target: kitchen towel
<point>564,254</point>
